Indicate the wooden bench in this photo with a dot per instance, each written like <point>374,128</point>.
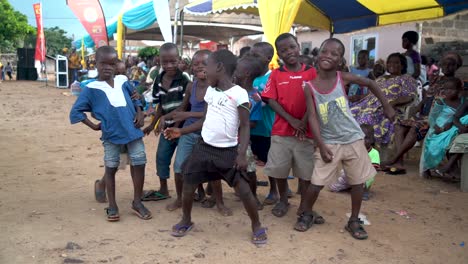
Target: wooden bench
<point>460,145</point>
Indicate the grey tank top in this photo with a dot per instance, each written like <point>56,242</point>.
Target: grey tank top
<point>337,124</point>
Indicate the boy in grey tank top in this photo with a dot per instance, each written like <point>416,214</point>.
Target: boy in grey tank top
<point>338,136</point>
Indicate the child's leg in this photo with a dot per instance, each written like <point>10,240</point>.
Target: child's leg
<point>179,183</point>
<point>166,149</point>
<point>253,187</point>
<point>304,186</point>
<point>110,186</point>
<point>404,140</point>
<point>282,207</point>
<point>272,197</point>
<point>185,224</point>
<point>137,155</point>
<point>250,205</point>
<point>218,195</point>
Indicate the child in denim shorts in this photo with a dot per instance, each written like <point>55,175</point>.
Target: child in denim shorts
<point>109,100</point>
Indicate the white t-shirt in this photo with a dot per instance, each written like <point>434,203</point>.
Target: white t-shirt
<point>221,124</point>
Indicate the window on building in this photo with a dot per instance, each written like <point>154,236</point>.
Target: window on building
<point>306,48</point>
<point>363,42</point>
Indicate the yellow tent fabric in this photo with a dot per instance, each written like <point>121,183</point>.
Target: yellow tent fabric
<point>277,17</point>
<point>399,11</point>
<point>120,29</point>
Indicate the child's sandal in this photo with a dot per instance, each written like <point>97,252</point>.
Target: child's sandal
<point>304,222</point>
<point>112,214</point>
<point>356,232</point>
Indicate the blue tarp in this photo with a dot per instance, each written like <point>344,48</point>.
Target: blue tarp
<point>137,18</point>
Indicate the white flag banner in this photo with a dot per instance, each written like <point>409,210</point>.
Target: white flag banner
<point>163,17</point>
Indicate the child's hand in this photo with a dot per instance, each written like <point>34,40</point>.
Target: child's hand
<point>135,95</point>
<point>180,116</point>
<point>301,136</point>
<point>326,153</point>
<point>97,127</point>
<point>148,129</point>
<point>438,130</point>
<point>241,162</point>
<point>160,127</point>
<point>298,125</point>
<point>139,120</point>
<point>172,133</point>
<point>389,112</point>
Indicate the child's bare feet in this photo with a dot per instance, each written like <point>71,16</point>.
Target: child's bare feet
<point>223,210</point>
<point>174,205</point>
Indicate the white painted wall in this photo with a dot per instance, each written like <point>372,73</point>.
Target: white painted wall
<point>388,39</point>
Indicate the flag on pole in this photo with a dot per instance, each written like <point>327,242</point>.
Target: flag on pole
<point>90,14</point>
<point>39,55</point>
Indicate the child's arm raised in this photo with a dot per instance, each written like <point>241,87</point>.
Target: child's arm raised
<point>82,105</point>
<point>325,152</point>
<point>372,85</point>
<point>244,136</point>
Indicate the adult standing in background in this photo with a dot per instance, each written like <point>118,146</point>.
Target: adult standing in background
<point>73,66</point>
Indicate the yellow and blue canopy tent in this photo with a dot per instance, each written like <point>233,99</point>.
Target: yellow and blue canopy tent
<point>336,16</point>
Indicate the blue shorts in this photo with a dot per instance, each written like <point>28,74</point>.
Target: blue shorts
<point>184,149</point>
<point>135,149</point>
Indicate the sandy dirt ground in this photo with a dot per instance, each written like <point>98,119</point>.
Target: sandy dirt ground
<point>48,168</point>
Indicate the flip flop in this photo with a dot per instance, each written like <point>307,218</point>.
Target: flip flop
<point>112,214</point>
<point>262,232</point>
<point>152,195</point>
<point>269,200</point>
<point>280,209</point>
<point>208,203</point>
<point>100,196</point>
<point>181,230</point>
<point>141,211</point>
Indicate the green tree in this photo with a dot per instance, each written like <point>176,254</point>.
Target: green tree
<point>148,52</point>
<point>55,37</point>
<point>14,27</point>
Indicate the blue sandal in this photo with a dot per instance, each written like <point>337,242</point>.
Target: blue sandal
<point>259,237</point>
<point>181,230</point>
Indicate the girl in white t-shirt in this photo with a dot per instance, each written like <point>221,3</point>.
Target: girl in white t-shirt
<point>221,153</point>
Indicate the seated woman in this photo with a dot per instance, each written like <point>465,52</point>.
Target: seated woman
<point>408,132</point>
<point>399,89</point>
<point>442,130</point>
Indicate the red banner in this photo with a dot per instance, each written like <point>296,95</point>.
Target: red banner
<point>90,14</point>
<point>40,40</point>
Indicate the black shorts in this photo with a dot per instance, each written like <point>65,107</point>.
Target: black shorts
<point>208,163</point>
<point>260,146</point>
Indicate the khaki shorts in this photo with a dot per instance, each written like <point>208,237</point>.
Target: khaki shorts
<point>353,158</point>
<point>288,153</point>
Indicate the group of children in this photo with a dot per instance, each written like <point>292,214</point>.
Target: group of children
<point>291,118</point>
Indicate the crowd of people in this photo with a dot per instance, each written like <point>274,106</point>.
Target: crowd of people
<point>223,115</point>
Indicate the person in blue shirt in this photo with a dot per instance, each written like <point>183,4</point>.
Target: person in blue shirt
<point>109,100</point>
<point>248,69</point>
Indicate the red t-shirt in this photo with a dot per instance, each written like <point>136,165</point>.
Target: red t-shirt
<point>286,88</point>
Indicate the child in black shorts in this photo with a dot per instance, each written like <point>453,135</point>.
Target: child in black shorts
<point>221,152</point>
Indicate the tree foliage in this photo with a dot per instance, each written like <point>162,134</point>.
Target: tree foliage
<point>148,52</point>
<point>55,37</point>
<point>14,27</point>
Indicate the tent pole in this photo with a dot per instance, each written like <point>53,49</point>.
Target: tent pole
<point>176,16</point>
<point>182,32</point>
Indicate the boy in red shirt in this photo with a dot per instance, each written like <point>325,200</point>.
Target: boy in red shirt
<point>292,146</point>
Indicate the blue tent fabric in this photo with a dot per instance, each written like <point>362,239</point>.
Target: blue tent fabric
<point>140,17</point>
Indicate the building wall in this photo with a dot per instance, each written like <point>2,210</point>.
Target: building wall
<point>388,39</point>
